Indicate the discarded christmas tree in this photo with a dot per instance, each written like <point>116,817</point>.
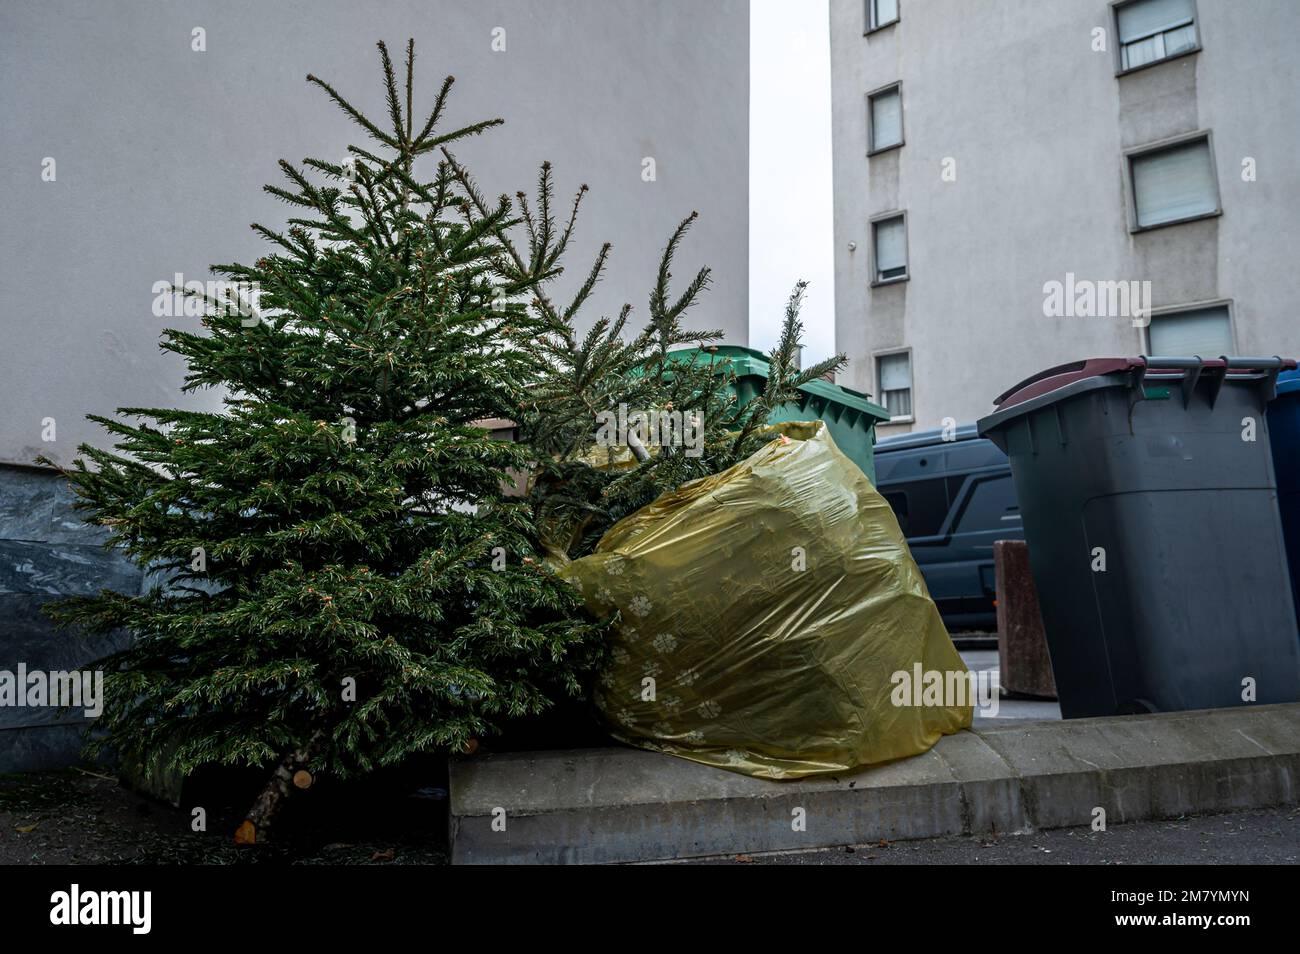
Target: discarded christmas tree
<point>583,482</point>
<point>346,582</point>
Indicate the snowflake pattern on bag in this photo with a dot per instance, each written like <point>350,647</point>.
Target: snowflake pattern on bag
<point>766,661</point>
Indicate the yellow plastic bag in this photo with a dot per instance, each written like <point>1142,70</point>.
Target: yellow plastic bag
<point>765,614</point>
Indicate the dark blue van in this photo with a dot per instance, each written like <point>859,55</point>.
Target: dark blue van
<point>953,498</point>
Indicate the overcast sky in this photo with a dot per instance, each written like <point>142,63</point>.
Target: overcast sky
<point>790,212</point>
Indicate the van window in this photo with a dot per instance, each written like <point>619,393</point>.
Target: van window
<point>920,506</point>
<point>990,506</point>
<point>897,501</point>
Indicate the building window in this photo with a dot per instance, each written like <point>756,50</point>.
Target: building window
<point>1195,331</point>
<point>885,107</point>
<point>1153,30</point>
<point>1173,183</point>
<point>894,375</point>
<point>889,248</point>
<point>881,13</point>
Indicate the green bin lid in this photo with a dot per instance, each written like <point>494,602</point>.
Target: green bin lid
<point>746,362</point>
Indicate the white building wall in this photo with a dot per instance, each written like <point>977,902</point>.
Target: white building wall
<point>162,152</point>
<point>1037,123</point>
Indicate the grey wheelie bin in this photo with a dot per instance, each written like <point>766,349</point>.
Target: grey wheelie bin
<point>1149,503</point>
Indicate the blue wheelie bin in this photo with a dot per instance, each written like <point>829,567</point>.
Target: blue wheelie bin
<point>1284,433</point>
<point>1149,503</point>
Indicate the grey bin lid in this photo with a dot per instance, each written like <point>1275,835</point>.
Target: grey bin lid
<point>1066,380</point>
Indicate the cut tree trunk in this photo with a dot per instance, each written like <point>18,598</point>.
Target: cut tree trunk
<point>256,827</point>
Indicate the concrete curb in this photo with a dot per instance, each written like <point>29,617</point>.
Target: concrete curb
<point>621,805</point>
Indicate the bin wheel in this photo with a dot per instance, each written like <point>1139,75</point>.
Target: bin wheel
<point>1137,707</point>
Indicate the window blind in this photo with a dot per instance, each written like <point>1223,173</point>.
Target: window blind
<point>883,11</point>
<point>1174,184</point>
<point>1144,18</point>
<point>1203,331</point>
<point>895,372</point>
<point>891,247</point>
<point>886,119</point>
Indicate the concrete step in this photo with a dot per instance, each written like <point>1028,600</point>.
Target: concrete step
<point>625,805</point>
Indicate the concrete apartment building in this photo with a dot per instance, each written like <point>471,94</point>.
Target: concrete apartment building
<point>137,135</point>
<point>1001,166</point>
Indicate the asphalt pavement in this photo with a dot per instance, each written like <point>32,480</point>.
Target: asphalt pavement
<point>1268,836</point>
